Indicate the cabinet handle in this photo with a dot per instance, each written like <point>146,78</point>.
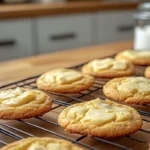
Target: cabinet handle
<point>125,28</point>
<point>64,36</point>
<point>7,42</point>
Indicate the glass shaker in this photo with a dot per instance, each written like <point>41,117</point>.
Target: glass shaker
<point>142,29</point>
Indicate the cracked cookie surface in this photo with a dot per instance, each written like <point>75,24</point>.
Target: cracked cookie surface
<point>45,143</point>
<point>109,68</point>
<point>20,103</point>
<point>100,118</point>
<point>64,81</point>
<point>132,90</point>
<point>136,57</point>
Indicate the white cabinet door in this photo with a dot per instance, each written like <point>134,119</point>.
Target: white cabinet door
<point>15,39</point>
<point>114,26</point>
<point>64,32</point>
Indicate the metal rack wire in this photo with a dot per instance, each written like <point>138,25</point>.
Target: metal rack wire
<point>47,125</point>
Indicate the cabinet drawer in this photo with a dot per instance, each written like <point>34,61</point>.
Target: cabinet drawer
<point>64,32</point>
<point>115,26</point>
<point>15,39</point>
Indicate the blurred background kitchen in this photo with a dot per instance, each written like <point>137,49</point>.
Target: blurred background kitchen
<point>42,26</point>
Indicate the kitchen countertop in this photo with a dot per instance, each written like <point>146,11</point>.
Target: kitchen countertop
<point>18,69</point>
<point>39,9</point>
<point>22,68</point>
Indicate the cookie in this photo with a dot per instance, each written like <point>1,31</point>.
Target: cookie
<point>100,118</point>
<point>136,57</point>
<point>45,143</point>
<point>147,72</point>
<point>109,68</point>
<point>64,81</point>
<point>131,90</point>
<point>20,103</point>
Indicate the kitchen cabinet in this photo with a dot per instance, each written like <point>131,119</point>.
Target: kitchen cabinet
<point>114,26</point>
<point>16,39</point>
<point>25,37</point>
<point>64,32</point>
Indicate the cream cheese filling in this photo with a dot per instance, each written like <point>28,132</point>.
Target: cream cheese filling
<point>49,146</point>
<point>16,97</point>
<point>108,63</point>
<point>99,112</point>
<point>64,76</point>
<point>136,54</point>
<point>137,84</point>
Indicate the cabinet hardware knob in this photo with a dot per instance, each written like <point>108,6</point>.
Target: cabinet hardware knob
<point>7,42</point>
<point>125,28</point>
<point>63,36</point>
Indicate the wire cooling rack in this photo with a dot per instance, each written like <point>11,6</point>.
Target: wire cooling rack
<point>47,125</point>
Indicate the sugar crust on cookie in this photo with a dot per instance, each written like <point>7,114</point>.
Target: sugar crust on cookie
<point>45,143</point>
<point>20,103</point>
<point>136,57</point>
<point>131,90</point>
<point>109,68</point>
<point>64,81</point>
<point>100,118</point>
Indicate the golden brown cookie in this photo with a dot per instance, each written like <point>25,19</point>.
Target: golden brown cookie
<point>136,57</point>
<point>109,68</point>
<point>132,90</point>
<point>147,72</point>
<point>64,81</point>
<point>23,103</point>
<point>101,118</point>
<point>45,143</point>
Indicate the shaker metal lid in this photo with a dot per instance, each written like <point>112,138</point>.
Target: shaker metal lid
<point>143,12</point>
<point>142,15</point>
<point>144,7</point>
